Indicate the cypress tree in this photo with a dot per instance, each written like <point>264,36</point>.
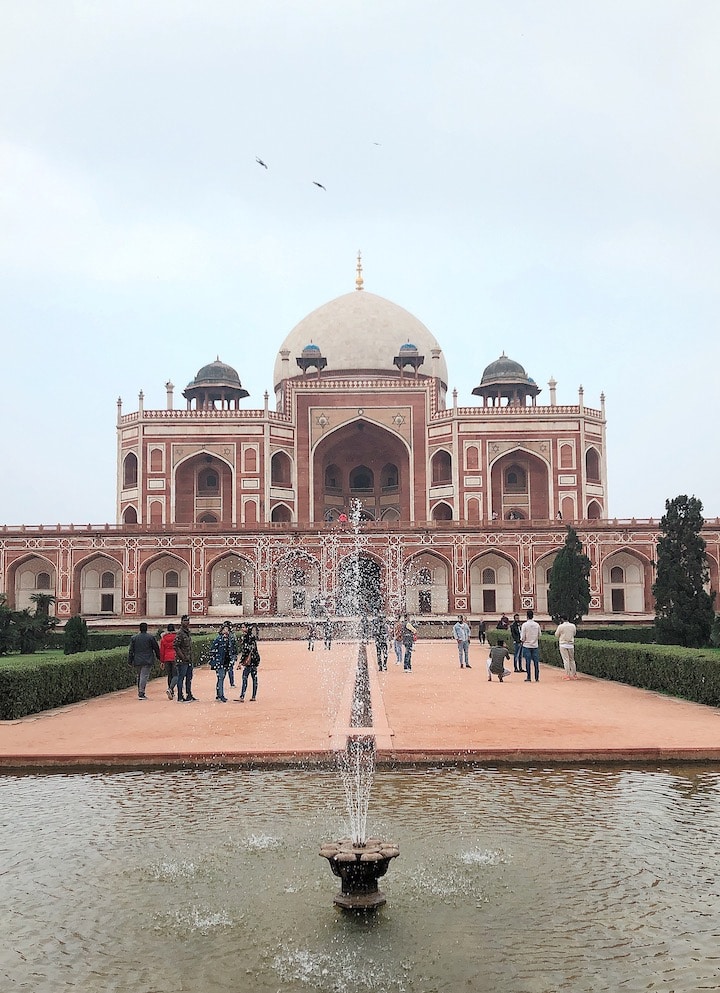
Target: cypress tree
<point>75,636</point>
<point>684,612</point>
<point>569,590</point>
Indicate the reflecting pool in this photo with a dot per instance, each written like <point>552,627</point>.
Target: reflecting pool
<point>509,880</point>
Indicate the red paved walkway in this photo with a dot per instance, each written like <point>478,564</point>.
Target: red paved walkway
<point>438,712</point>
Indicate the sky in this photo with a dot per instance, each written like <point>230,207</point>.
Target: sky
<point>534,177</point>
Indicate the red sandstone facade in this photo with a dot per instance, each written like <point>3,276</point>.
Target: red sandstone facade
<point>224,510</point>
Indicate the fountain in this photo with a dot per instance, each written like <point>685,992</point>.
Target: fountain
<point>359,861</point>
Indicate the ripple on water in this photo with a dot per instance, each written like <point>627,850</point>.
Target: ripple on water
<point>350,970</point>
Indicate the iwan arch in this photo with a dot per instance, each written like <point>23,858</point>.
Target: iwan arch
<point>228,508</point>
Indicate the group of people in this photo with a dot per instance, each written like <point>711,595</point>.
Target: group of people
<point>526,646</point>
<point>174,653</point>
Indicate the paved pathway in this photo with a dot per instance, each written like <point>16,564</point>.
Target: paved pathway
<point>438,712</point>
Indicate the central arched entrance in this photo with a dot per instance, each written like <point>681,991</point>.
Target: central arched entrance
<point>362,461</point>
<point>360,588</point>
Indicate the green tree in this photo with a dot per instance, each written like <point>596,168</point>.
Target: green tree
<point>684,612</point>
<point>7,635</point>
<point>42,603</point>
<point>75,636</point>
<point>569,589</point>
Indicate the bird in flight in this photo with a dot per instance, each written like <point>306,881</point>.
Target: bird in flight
<point>315,183</point>
<point>260,162</point>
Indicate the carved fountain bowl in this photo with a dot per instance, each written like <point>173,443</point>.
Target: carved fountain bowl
<point>359,867</point>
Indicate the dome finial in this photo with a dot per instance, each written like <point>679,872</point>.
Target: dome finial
<point>358,269</point>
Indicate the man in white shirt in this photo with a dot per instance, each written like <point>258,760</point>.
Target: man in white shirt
<point>530,638</point>
<point>565,634</point>
<point>461,633</point>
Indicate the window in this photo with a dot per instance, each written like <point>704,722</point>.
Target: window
<point>515,479</point>
<point>172,579</point>
<point>332,478</point>
<point>592,465</point>
<point>299,577</point>
<point>281,470</point>
<point>235,578</point>
<point>208,481</point>
<point>362,479</point>
<point>441,467</point>
<point>488,576</point>
<point>424,577</point>
<point>42,581</point>
<point>130,470</point>
<point>107,581</point>
<point>107,603</point>
<point>389,478</point>
<point>617,574</point>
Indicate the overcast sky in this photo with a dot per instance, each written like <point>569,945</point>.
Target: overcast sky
<point>538,177</point>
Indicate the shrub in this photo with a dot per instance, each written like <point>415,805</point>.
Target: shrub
<point>75,636</point>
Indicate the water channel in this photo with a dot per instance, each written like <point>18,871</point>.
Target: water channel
<point>509,880</point>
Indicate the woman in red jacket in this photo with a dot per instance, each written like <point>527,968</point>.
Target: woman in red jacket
<point>167,656</point>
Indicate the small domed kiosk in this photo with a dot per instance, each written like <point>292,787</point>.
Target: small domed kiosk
<point>505,379</point>
<point>216,383</point>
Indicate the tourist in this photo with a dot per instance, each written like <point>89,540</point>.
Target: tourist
<point>504,623</point>
<point>223,653</point>
<point>461,633</point>
<point>167,657</point>
<point>517,643</point>
<point>496,661</point>
<point>310,636</point>
<point>142,653</point>
<point>380,636</point>
<point>565,634</point>
<point>183,662</point>
<point>530,637</point>
<point>398,640</point>
<point>482,627</point>
<point>328,632</point>
<point>409,637</point>
<point>233,642</point>
<point>249,660</point>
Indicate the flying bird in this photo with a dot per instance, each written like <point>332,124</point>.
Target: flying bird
<point>260,162</point>
<point>315,183</point>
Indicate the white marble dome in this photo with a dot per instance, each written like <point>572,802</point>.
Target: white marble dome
<point>360,331</point>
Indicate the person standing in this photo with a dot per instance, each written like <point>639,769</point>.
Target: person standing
<point>142,653</point>
<point>482,626</point>
<point>310,636</point>
<point>183,662</point>
<point>565,634</point>
<point>409,636</point>
<point>167,656</point>
<point>250,660</point>
<point>398,640</point>
<point>233,655</point>
<point>517,643</point>
<point>328,632</point>
<point>222,659</point>
<point>461,633</point>
<point>530,638</point>
<point>380,636</point>
<point>496,661</point>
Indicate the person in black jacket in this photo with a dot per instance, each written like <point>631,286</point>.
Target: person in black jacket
<point>143,652</point>
<point>250,660</point>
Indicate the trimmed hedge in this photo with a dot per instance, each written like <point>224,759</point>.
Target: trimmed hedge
<point>689,673</point>
<point>635,635</point>
<point>34,684</point>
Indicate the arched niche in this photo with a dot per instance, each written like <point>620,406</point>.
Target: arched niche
<point>232,586</point>
<point>426,584</point>
<point>441,512</point>
<point>592,465</point>
<point>626,580</point>
<point>281,470</point>
<point>101,586</point>
<point>519,481</point>
<point>166,587</point>
<point>203,485</point>
<point>441,468</point>
<point>543,568</point>
<point>130,471</point>
<point>297,584</point>
<point>33,575</point>
<point>281,514</point>
<point>491,584</point>
<point>361,461</point>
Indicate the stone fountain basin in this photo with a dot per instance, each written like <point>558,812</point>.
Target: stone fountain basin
<point>359,866</point>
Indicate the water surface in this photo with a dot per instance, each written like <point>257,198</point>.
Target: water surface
<point>508,881</point>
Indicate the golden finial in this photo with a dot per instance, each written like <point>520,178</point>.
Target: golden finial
<point>358,269</point>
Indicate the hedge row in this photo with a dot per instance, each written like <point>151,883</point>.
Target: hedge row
<point>34,684</point>
<point>625,633</point>
<point>689,673</point>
